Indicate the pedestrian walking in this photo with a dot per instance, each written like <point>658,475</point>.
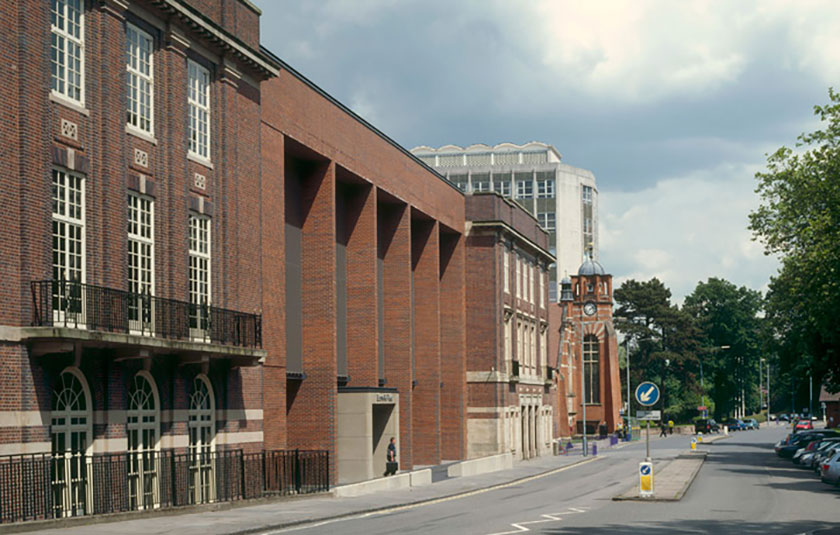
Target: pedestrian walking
<point>670,427</point>
<point>391,464</point>
<point>663,430</point>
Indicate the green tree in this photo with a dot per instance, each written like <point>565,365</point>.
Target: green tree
<point>799,220</point>
<point>728,316</point>
<point>661,338</point>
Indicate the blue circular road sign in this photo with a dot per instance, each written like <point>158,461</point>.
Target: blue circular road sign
<point>647,394</point>
<point>644,468</point>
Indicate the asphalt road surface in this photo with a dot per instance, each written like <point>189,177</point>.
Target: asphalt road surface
<point>742,488</point>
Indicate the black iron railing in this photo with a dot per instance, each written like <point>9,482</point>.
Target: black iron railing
<point>44,486</point>
<point>85,306</point>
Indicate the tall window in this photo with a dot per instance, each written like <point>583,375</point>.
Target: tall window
<point>198,100</point>
<point>68,242</point>
<point>506,269</point>
<point>199,272</point>
<point>140,78</point>
<point>518,277</point>
<point>67,49</point>
<point>202,430</point>
<point>141,259</point>
<point>142,427</point>
<point>541,276</point>
<point>548,220</point>
<point>591,370</point>
<point>587,195</point>
<point>70,425</point>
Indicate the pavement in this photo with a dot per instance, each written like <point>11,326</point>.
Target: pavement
<point>250,517</point>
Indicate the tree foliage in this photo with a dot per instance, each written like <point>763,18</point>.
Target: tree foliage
<point>729,332</point>
<point>667,344</point>
<point>799,220</point>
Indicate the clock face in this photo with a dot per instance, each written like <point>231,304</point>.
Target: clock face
<point>589,308</point>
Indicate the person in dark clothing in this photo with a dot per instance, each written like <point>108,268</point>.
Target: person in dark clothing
<point>391,465</point>
<point>663,429</point>
<point>392,451</point>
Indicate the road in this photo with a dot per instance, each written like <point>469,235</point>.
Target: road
<point>742,488</point>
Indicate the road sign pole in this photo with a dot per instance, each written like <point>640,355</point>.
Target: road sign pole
<point>647,442</point>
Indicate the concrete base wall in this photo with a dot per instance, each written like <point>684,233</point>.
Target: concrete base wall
<point>485,465</point>
<point>405,480</point>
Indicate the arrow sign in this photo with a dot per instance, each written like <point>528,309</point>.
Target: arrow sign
<point>647,394</point>
<point>645,469</point>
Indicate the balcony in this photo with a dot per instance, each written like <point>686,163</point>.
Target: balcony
<point>95,316</point>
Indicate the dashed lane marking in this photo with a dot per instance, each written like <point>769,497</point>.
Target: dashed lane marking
<point>316,523</point>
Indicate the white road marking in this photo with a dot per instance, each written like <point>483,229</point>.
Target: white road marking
<point>552,517</point>
<point>315,523</point>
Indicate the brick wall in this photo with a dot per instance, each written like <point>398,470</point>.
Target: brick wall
<point>103,151</point>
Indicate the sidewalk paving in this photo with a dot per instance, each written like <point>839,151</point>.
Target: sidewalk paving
<point>251,517</point>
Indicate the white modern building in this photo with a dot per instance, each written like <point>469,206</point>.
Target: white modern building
<point>563,198</point>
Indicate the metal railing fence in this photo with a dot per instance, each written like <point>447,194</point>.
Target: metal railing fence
<point>64,303</point>
<point>45,486</point>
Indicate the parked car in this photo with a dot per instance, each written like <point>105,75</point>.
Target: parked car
<point>787,447</point>
<point>830,470</point>
<point>784,417</point>
<point>706,425</point>
<point>808,446</point>
<point>751,423</point>
<point>735,424</point>
<point>803,425</point>
<point>827,448</point>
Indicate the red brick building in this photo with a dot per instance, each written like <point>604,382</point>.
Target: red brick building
<point>582,326</point>
<point>363,289</point>
<point>131,272</point>
<point>509,372</point>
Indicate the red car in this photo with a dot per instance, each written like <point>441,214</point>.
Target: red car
<point>803,425</point>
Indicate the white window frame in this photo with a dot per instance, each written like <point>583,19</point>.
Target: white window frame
<point>586,195</point>
<point>143,442</point>
<point>522,186</point>
<point>506,269</point>
<point>141,235</point>
<point>547,220</point>
<point>199,110</point>
<point>502,187</point>
<point>202,440</point>
<point>140,43</point>
<point>68,214</point>
<point>200,261</point>
<point>63,42</point>
<point>542,289</point>
<point>545,188</point>
<point>518,277</point>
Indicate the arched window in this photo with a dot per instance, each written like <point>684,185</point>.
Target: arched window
<point>591,368</point>
<point>142,422</point>
<point>202,432</point>
<point>70,433</point>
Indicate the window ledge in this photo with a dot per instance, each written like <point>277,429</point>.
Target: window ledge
<point>199,160</point>
<point>136,132</point>
<point>68,103</point>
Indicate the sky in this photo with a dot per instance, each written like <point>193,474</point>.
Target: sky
<point>673,105</point>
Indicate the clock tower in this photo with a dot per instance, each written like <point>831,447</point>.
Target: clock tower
<point>589,350</point>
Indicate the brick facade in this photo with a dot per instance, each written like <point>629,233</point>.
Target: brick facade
<point>357,203</point>
<point>42,131</point>
<point>512,394</point>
